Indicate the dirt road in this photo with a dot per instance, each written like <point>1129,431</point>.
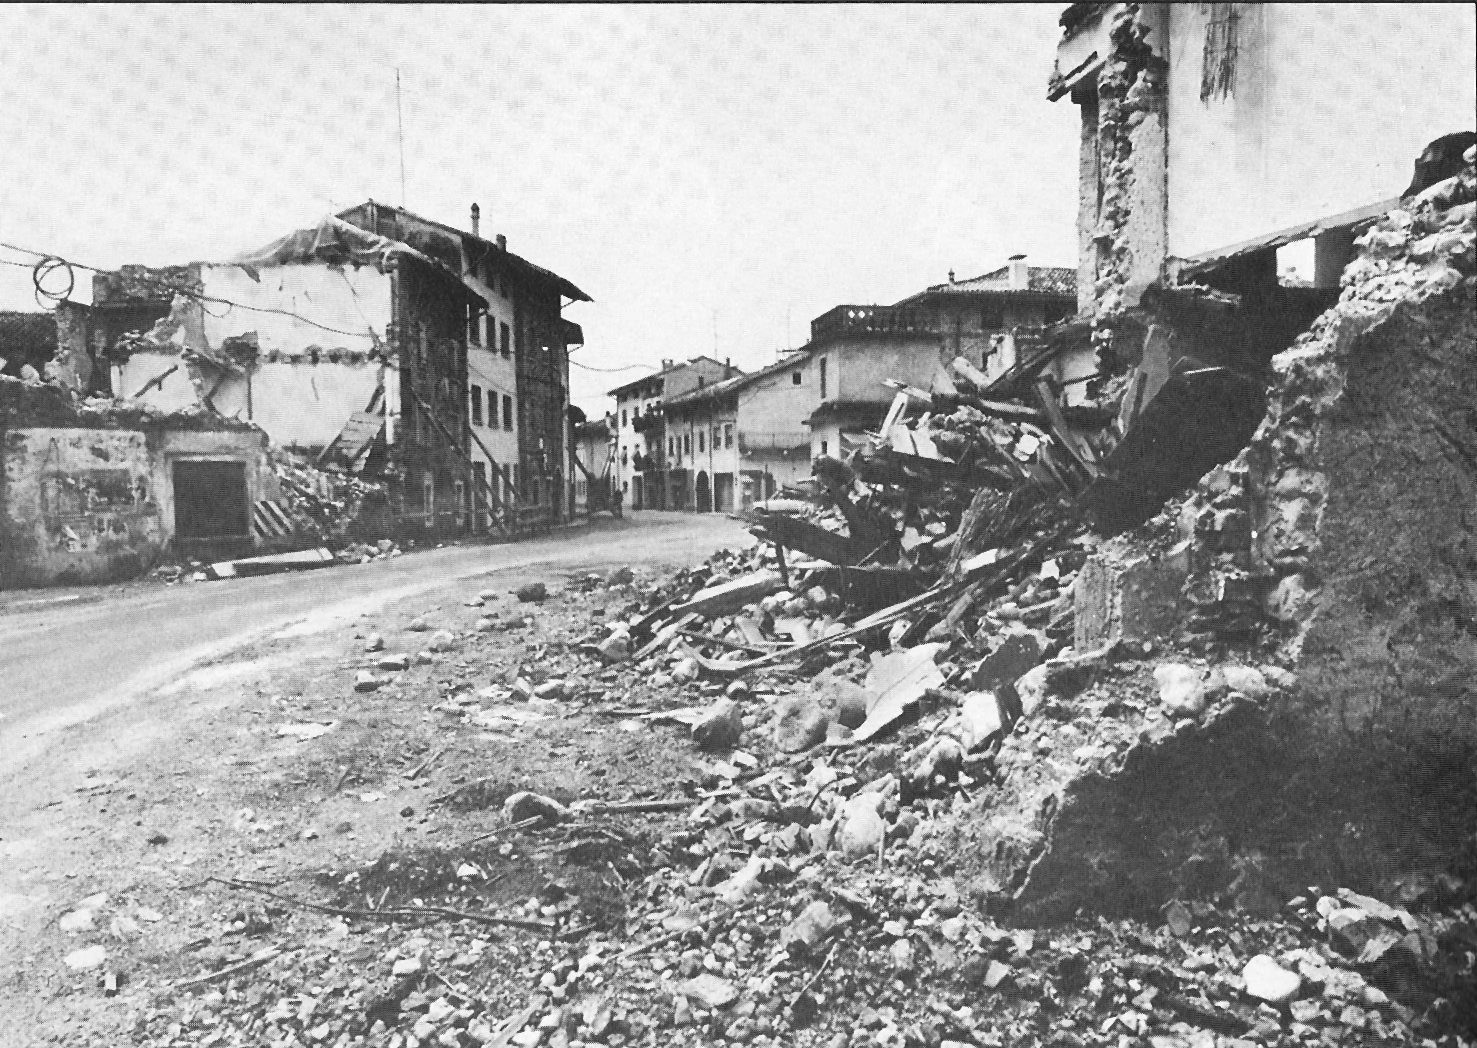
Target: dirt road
<point>139,743</point>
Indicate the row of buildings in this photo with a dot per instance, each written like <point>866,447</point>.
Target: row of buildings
<point>700,435</point>
<point>385,344</point>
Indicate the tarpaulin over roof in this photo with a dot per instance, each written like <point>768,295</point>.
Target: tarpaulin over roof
<point>333,241</point>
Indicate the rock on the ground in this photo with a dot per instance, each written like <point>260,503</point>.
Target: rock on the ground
<point>442,640</point>
<point>366,681</point>
<point>526,805</point>
<point>721,726</point>
<point>1269,981</point>
<point>1181,690</point>
<point>862,828</point>
<point>533,593</point>
<point>799,724</point>
<point>87,957</point>
<point>708,990</point>
<point>802,935</point>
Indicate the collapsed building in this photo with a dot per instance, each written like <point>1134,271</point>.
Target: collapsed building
<point>1224,602</point>
<point>377,343</point>
<point>95,491</point>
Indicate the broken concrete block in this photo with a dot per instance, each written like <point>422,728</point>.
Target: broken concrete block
<point>366,681</point>
<point>799,724</point>
<point>616,647</point>
<point>1121,594</point>
<point>1269,981</point>
<point>549,689</point>
<point>525,805</point>
<point>719,727</point>
<point>533,593</point>
<point>1032,690</point>
<point>978,720</point>
<point>731,596</point>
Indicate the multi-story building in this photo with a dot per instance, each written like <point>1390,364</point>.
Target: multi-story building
<point>516,384</point>
<point>357,342</point>
<point>640,431</point>
<point>736,442</point>
<point>856,349</point>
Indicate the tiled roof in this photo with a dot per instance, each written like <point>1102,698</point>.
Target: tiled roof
<point>738,382</point>
<point>1047,280</point>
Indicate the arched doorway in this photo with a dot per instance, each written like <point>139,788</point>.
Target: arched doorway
<point>704,494</point>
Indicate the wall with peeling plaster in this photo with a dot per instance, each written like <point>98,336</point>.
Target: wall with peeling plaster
<point>1304,133</point>
<point>306,381</point>
<point>97,505</point>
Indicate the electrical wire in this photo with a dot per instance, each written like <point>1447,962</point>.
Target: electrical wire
<point>47,264</point>
<point>611,371</point>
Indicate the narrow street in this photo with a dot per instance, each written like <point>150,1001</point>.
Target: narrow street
<point>132,728</point>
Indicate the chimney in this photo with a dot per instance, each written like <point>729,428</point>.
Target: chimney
<point>502,242</point>
<point>666,364</point>
<point>476,220</point>
<point>951,276</point>
<point>1020,273</point>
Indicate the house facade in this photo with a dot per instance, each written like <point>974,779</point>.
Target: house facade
<point>516,385</point>
<point>641,463</point>
<point>737,442</point>
<point>857,349</point>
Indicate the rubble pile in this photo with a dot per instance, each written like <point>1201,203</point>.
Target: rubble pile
<point>329,506</point>
<point>794,885</point>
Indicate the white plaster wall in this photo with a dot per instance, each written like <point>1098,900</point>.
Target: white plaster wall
<point>491,371</point>
<point>355,301</point>
<point>175,393</point>
<point>1332,104</point>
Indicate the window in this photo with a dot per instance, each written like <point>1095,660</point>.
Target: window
<point>795,378</point>
<point>476,405</point>
<point>428,493</point>
<point>505,339</point>
<point>728,435</point>
<point>623,455</point>
<point>507,413</point>
<point>717,438</point>
<point>491,409</point>
<point>474,326</point>
<point>687,443</point>
<point>823,447</point>
<point>671,445</point>
<point>699,442</point>
<point>823,378</point>
<point>623,418</point>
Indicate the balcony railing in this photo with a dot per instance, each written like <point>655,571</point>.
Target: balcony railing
<point>649,420</point>
<point>871,320</point>
<point>787,440</point>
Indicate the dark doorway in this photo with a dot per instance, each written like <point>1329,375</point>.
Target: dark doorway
<point>210,500</point>
<point>704,494</point>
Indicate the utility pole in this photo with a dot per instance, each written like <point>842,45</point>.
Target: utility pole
<point>400,129</point>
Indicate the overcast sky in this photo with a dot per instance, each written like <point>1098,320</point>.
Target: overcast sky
<point>713,177</point>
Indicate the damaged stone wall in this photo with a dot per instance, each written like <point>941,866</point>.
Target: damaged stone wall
<point>87,488</point>
<point>1318,721</point>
